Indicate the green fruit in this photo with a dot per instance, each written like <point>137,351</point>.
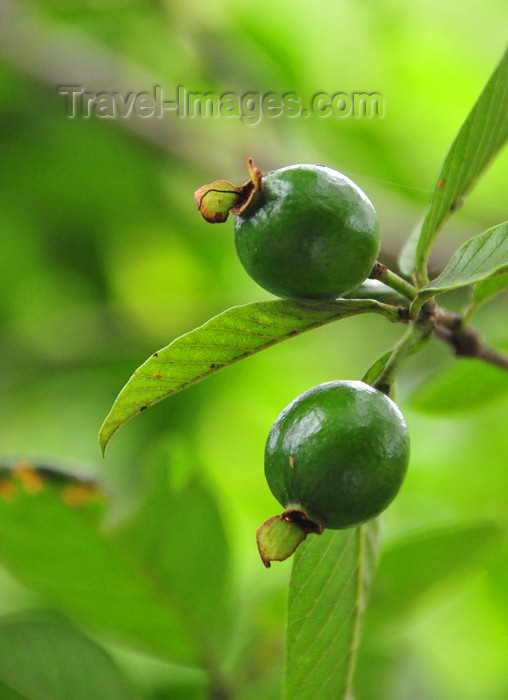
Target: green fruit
<point>337,454</point>
<point>310,233</point>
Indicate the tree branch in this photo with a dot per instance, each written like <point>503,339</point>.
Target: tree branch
<point>466,341</point>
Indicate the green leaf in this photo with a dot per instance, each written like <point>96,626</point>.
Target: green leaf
<point>225,339</point>
<point>58,551</point>
<point>7,693</point>
<point>410,566</point>
<point>177,539</point>
<point>46,661</point>
<point>475,260</point>
<point>466,385</point>
<point>411,570</point>
<point>406,259</point>
<point>375,370</point>
<point>483,133</point>
<point>328,592</point>
<point>491,287</point>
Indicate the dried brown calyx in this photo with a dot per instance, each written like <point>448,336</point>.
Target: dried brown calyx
<point>278,537</point>
<point>217,199</point>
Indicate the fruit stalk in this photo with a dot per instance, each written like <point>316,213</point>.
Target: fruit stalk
<point>383,274</point>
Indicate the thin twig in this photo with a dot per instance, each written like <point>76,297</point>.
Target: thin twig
<point>466,341</point>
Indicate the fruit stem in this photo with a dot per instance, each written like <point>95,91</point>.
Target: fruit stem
<point>419,330</point>
<point>383,274</point>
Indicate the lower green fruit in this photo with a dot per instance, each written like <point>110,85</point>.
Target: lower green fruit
<point>337,454</point>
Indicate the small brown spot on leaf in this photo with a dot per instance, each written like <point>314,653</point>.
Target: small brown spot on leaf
<point>7,489</point>
<point>31,480</point>
<point>440,184</point>
<point>156,354</point>
<point>143,408</point>
<point>78,494</point>
<point>292,462</point>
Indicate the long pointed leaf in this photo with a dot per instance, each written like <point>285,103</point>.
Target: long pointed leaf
<point>466,385</point>
<point>55,662</point>
<point>483,133</point>
<point>328,591</point>
<point>489,288</point>
<point>225,339</point>
<point>412,564</point>
<point>478,259</point>
<point>55,550</point>
<point>184,524</point>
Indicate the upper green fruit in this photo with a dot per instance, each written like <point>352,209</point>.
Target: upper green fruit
<point>337,454</point>
<point>310,233</point>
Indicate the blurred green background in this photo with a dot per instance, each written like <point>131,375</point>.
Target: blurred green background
<point>105,260</point>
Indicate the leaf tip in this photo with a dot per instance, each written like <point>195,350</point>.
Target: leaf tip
<point>103,437</point>
<point>102,448</point>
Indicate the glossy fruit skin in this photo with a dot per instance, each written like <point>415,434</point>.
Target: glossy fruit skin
<point>339,452</point>
<point>310,234</point>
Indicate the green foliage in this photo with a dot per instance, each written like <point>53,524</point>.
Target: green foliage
<point>311,667</point>
<point>158,583</point>
<point>328,595</point>
<point>225,339</point>
<point>375,369</point>
<point>483,133</point>
<point>477,260</point>
<point>44,660</point>
<point>466,385</point>
<point>191,570</point>
<point>83,573</point>
<point>414,569</point>
<point>489,288</point>
<point>104,258</point>
<point>416,562</point>
<point>485,290</point>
